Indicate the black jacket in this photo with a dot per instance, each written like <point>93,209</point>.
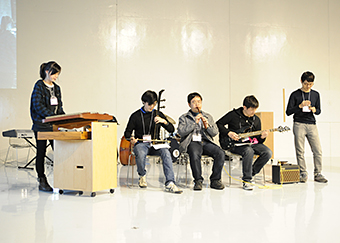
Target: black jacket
<point>136,124</point>
<point>295,100</point>
<point>239,123</point>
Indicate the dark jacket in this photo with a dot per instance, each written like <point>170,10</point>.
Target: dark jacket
<point>187,125</point>
<point>41,105</point>
<point>239,123</point>
<point>141,128</point>
<point>295,100</point>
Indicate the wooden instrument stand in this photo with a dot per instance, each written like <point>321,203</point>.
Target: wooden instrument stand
<point>84,161</point>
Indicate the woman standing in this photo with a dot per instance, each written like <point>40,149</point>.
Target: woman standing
<point>45,101</point>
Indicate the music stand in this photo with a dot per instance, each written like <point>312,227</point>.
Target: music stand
<point>26,166</point>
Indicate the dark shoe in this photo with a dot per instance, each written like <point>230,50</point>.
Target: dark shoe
<point>320,178</point>
<point>198,186</point>
<point>303,177</point>
<point>43,185</point>
<point>217,184</point>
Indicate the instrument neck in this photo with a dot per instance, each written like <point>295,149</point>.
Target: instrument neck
<point>251,134</point>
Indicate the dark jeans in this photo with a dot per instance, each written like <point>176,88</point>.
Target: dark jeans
<point>247,152</point>
<point>40,159</point>
<point>196,150</point>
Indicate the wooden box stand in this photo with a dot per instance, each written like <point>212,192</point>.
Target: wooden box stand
<point>87,165</point>
<point>84,161</point>
<point>267,122</point>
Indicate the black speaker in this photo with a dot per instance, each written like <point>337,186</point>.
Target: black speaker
<point>285,173</point>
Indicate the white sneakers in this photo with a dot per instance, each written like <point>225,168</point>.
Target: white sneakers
<point>171,187</point>
<point>142,182</point>
<point>248,186</point>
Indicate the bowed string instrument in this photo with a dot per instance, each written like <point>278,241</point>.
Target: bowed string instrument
<point>159,100</point>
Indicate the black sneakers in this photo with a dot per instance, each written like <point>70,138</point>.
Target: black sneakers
<point>217,184</point>
<point>43,185</point>
<point>303,177</point>
<point>320,178</point>
<point>198,186</point>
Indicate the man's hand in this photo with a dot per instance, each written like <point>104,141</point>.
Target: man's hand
<point>264,134</point>
<point>304,103</point>
<point>133,140</point>
<point>313,109</point>
<point>233,136</point>
<point>159,119</point>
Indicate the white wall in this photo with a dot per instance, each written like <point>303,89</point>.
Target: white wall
<point>111,51</point>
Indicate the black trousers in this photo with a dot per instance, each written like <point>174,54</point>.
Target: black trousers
<point>41,152</point>
<point>196,150</point>
<point>248,151</point>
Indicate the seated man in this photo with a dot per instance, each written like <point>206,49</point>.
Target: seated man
<point>197,129</point>
<point>143,122</point>
<point>243,120</point>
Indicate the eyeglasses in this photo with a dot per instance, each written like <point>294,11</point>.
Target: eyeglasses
<point>308,83</point>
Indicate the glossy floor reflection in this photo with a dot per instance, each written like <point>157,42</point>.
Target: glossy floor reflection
<point>294,213</point>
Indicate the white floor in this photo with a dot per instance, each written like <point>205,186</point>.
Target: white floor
<point>292,213</point>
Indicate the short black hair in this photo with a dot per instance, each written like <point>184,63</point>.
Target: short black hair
<point>250,102</point>
<point>51,67</point>
<point>307,76</point>
<point>149,97</point>
<point>193,95</point>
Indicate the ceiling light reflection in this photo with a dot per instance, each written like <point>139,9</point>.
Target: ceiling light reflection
<point>265,46</point>
<point>130,37</point>
<point>194,41</point>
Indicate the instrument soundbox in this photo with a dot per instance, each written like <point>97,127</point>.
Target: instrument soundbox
<point>227,143</point>
<point>125,152</point>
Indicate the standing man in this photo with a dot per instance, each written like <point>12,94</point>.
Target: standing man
<point>142,122</point>
<point>243,120</point>
<point>304,103</point>
<point>197,129</point>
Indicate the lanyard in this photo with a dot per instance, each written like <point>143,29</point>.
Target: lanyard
<point>51,89</point>
<point>52,97</point>
<point>144,124</point>
<point>303,98</point>
<point>247,121</point>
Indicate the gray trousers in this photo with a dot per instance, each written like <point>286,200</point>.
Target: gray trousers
<point>309,131</point>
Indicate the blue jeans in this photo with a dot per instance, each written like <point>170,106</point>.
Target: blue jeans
<point>141,150</point>
<point>301,132</point>
<point>196,150</point>
<point>247,152</point>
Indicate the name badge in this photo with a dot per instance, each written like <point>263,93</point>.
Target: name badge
<point>54,100</point>
<point>196,137</point>
<point>306,109</point>
<point>146,138</point>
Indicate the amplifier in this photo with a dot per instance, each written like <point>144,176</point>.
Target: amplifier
<point>285,173</point>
